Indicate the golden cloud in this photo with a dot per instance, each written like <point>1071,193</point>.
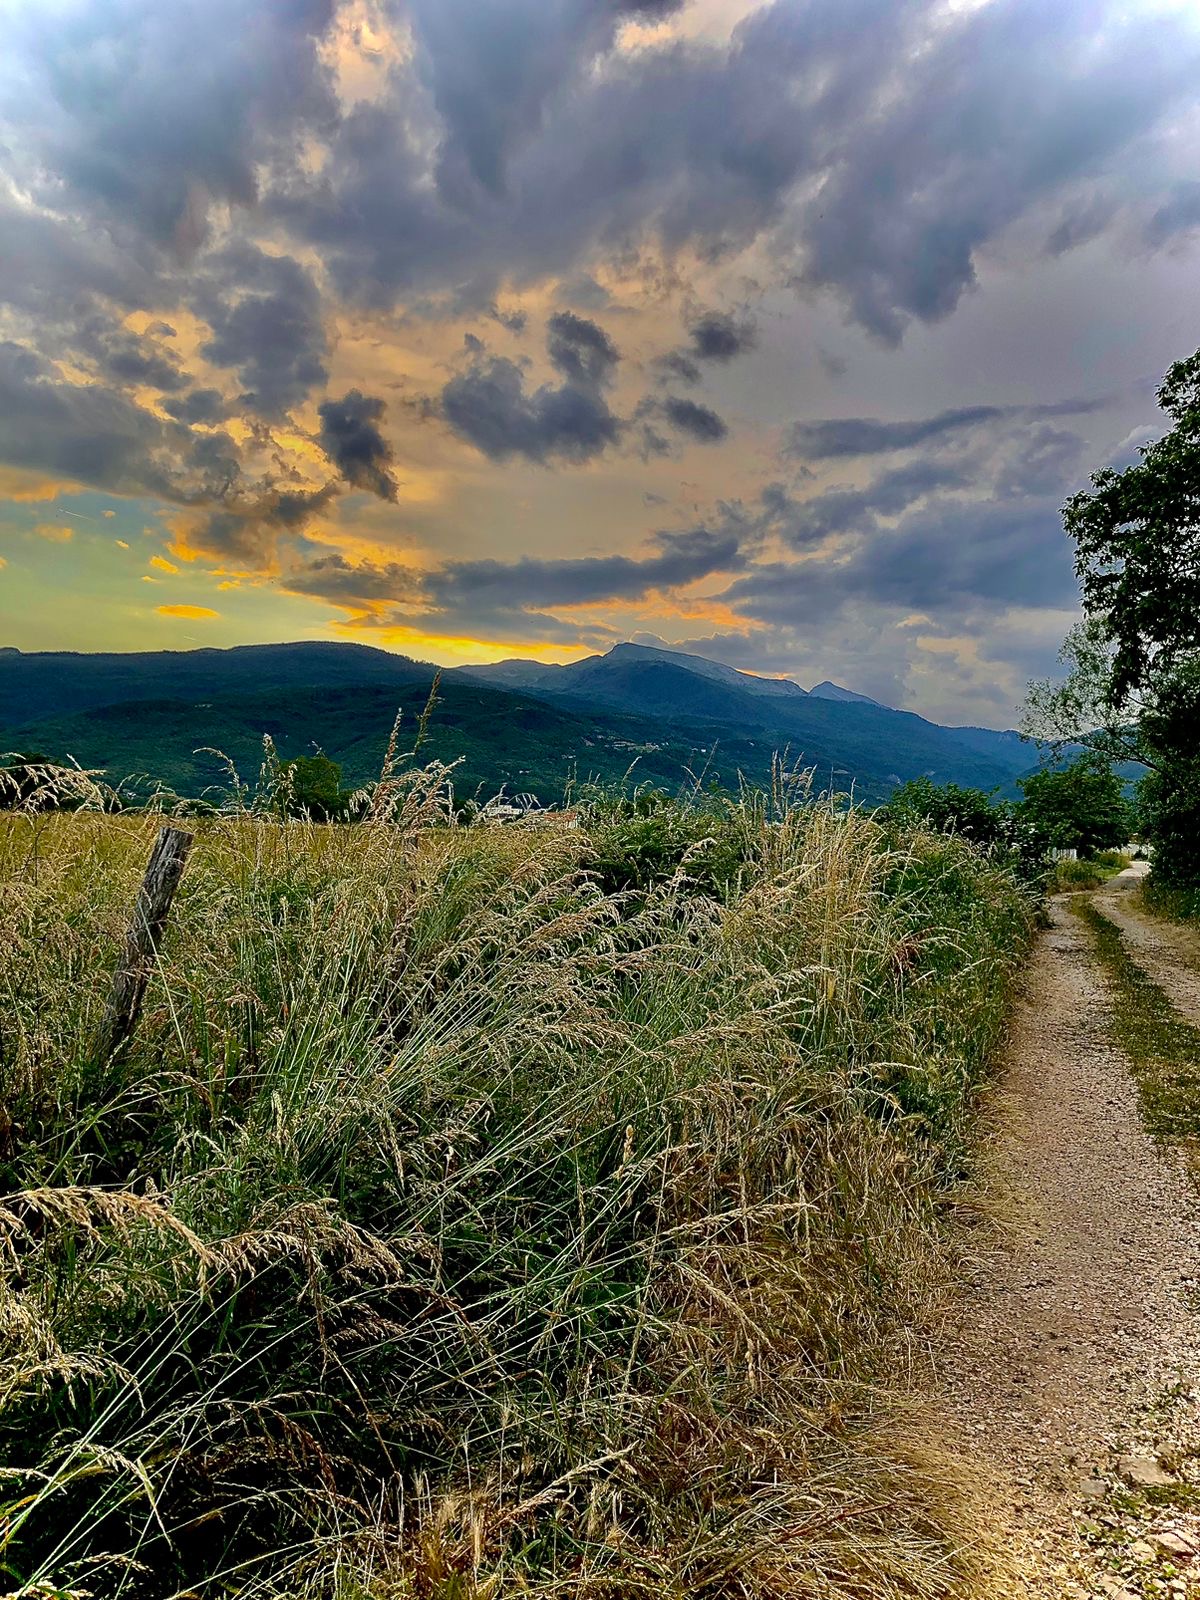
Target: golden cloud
<point>162,564</point>
<point>192,613</point>
<point>57,532</point>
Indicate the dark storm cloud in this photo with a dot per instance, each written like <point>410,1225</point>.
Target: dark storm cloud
<point>490,406</point>
<point>494,70</point>
<point>867,436</point>
<point>675,364</point>
<point>1045,461</point>
<point>333,578</point>
<point>125,358</point>
<point>716,336</point>
<point>947,559</point>
<point>266,320</point>
<point>705,146</point>
<point>807,523</point>
<point>1008,107</point>
<point>698,422</point>
<point>201,405</point>
<point>351,439</point>
<point>720,336</point>
<point>516,143</point>
<point>142,114</point>
<point>89,434</point>
<point>581,349</point>
<point>464,591</point>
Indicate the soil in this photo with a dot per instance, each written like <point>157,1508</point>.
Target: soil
<point>1071,1363</point>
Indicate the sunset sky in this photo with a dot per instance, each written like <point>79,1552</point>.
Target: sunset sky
<point>481,328</point>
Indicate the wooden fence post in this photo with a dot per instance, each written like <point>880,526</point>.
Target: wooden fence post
<point>163,872</point>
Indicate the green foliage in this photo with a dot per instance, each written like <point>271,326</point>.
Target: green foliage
<point>1162,1046</point>
<point>995,826</point>
<point>648,838</point>
<point>1067,875</point>
<point>1169,794</point>
<point>1137,545</point>
<point>1137,659</point>
<point>1078,807</point>
<point>453,1227</point>
<point>1183,905</point>
<point>949,808</point>
<point>311,786</point>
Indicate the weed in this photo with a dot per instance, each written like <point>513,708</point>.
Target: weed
<point>453,1226</point>
<point>1163,1048</point>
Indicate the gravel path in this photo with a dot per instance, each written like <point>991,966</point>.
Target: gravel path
<point>1072,1363</point>
<point>1167,952</point>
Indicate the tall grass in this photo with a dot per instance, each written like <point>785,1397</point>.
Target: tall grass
<point>453,1228</point>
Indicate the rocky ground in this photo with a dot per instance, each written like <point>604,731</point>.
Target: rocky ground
<point>1072,1362</point>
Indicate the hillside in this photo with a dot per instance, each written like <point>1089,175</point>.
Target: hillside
<point>837,731</point>
<point>58,683</point>
<point>521,724</point>
<point>505,740</point>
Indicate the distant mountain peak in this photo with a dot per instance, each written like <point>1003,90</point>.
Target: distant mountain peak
<point>834,691</point>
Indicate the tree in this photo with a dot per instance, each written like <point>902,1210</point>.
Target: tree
<point>948,808</point>
<point>1170,792</point>
<point>1137,546</point>
<point>1080,807</point>
<point>1132,690</point>
<point>312,786</point>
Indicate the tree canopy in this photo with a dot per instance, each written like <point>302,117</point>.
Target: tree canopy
<point>1079,807</point>
<point>1133,688</point>
<point>1137,546</point>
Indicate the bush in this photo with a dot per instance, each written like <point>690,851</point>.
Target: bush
<point>999,828</point>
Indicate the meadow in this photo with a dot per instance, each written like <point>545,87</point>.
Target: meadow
<point>555,1208</point>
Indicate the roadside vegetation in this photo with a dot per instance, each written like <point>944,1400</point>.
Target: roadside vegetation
<point>1132,692</point>
<point>547,1208</point>
<point>1162,1047</point>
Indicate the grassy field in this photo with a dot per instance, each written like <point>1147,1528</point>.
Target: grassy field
<point>460,1223</point>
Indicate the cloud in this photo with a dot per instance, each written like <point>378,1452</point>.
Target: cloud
<point>581,349</point>
<point>698,422</point>
<point>352,441</point>
<point>805,524</point>
<point>1178,215</point>
<point>267,324</point>
<point>988,126</point>
<point>720,336</point>
<point>489,404</point>
<point>112,128</point>
<point>200,405</point>
<point>520,144</point>
<point>55,532</point>
<point>87,433</point>
<point>504,596</point>
<point>160,564</point>
<point>954,559</point>
<point>192,613</point>
<point>865,436</point>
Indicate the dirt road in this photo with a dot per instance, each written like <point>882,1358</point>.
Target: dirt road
<point>1072,1364</point>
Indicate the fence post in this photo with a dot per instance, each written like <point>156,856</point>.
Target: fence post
<point>163,872</point>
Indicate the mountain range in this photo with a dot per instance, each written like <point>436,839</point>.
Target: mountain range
<point>650,714</point>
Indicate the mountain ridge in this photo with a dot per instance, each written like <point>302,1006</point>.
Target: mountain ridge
<point>662,710</point>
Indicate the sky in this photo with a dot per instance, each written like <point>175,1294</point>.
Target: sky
<point>777,331</point>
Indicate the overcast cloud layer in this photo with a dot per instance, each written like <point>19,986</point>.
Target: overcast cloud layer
<point>778,331</point>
